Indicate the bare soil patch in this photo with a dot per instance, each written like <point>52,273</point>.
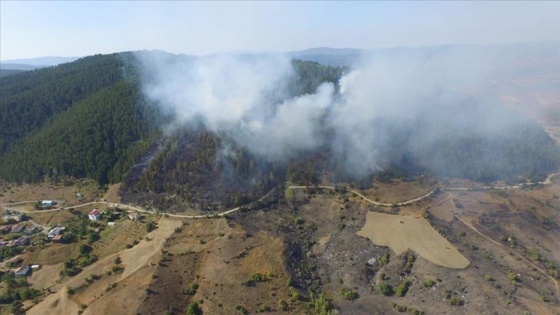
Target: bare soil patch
<point>402,233</point>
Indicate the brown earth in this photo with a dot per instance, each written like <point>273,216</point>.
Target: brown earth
<point>313,240</point>
<point>402,233</point>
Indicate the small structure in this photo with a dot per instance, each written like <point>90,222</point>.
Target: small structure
<point>17,228</point>
<point>47,203</point>
<point>57,238</point>
<point>94,215</point>
<point>22,241</point>
<point>31,229</point>
<point>3,243</point>
<point>56,231</point>
<point>22,271</point>
<point>134,216</point>
<point>16,216</point>
<point>6,229</point>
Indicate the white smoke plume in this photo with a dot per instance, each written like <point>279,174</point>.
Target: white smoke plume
<point>245,98</point>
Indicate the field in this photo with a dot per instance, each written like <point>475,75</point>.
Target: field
<point>268,258</point>
<point>65,195</point>
<point>402,233</point>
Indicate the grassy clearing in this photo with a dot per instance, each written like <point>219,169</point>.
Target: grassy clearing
<point>402,233</point>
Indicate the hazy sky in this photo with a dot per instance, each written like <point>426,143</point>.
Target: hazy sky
<point>77,28</point>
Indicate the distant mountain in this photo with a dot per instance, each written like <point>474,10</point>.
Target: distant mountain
<point>40,61</point>
<point>328,56</point>
<point>17,66</point>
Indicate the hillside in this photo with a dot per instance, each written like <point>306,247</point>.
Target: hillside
<point>253,184</point>
<point>54,116</point>
<point>88,118</point>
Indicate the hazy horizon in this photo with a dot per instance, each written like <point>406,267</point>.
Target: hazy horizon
<point>37,29</point>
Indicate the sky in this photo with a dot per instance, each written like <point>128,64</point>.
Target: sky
<point>79,28</point>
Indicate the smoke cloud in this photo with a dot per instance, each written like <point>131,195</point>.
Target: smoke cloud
<point>247,98</point>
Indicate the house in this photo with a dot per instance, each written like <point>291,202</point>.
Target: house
<point>6,229</point>
<point>47,203</point>
<point>57,238</point>
<point>94,215</point>
<point>16,216</point>
<point>56,231</point>
<point>22,271</point>
<point>22,241</point>
<point>17,228</point>
<point>134,216</point>
<point>31,229</point>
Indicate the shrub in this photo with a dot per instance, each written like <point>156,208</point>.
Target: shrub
<point>385,288</point>
<point>348,294</point>
<point>402,289</point>
<point>191,290</point>
<point>428,283</point>
<point>193,309</point>
<point>283,305</point>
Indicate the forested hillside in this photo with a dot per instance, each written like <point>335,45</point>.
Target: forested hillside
<point>81,119</point>
<point>89,119</point>
<point>29,99</point>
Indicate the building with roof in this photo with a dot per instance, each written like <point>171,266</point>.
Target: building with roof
<point>94,215</point>
<point>57,238</point>
<point>47,203</point>
<point>17,228</point>
<point>22,241</point>
<point>22,271</point>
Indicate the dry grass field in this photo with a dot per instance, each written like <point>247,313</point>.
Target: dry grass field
<point>399,191</point>
<point>64,194</point>
<point>402,233</point>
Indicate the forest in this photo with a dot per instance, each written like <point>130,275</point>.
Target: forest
<point>90,119</point>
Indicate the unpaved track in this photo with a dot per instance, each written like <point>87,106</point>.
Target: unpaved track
<point>548,181</point>
<point>381,204</point>
<point>133,259</point>
<point>513,251</point>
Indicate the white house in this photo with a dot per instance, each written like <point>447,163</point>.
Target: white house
<point>94,215</point>
<point>47,203</point>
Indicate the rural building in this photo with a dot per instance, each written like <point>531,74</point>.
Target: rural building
<point>3,243</point>
<point>111,224</point>
<point>16,216</point>
<point>134,216</point>
<point>22,241</point>
<point>17,228</point>
<point>47,203</point>
<point>31,229</point>
<point>57,238</point>
<point>56,231</point>
<point>22,271</point>
<point>6,229</point>
<point>94,215</point>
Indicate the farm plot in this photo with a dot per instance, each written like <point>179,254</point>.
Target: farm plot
<point>401,233</point>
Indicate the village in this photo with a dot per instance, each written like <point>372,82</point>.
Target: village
<point>20,233</point>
